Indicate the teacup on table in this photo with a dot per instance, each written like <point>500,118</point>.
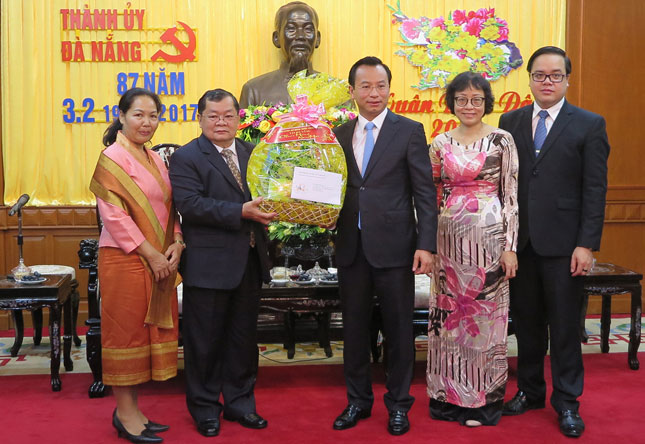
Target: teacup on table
<point>279,273</point>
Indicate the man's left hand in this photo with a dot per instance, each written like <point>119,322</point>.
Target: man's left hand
<point>423,262</point>
<point>581,261</point>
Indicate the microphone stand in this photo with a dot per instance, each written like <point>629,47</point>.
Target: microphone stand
<point>20,270</point>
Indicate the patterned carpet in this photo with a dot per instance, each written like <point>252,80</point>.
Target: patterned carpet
<point>35,359</point>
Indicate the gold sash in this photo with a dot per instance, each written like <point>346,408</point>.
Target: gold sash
<point>113,185</point>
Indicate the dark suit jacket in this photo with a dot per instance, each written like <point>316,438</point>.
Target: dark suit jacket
<point>210,203</point>
<point>561,193</point>
<point>398,179</point>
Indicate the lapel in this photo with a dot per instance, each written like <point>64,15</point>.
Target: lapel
<point>526,131</point>
<point>345,138</point>
<point>563,119</point>
<point>243,156</point>
<point>385,136</point>
<point>216,159</point>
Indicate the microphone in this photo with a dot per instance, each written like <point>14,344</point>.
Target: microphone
<point>22,200</point>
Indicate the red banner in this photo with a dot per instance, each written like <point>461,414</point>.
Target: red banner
<point>322,134</point>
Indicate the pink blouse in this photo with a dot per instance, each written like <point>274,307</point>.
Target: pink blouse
<point>119,230</point>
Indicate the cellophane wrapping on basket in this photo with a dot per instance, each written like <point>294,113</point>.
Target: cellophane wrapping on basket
<point>320,88</point>
<point>299,139</point>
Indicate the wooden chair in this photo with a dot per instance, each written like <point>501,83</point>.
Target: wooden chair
<point>165,150</point>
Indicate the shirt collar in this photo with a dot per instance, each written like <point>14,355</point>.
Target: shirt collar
<point>378,121</point>
<point>553,111</point>
<point>231,147</point>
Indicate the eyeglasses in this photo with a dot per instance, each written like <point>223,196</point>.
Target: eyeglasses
<point>228,118</point>
<point>541,77</point>
<point>475,101</point>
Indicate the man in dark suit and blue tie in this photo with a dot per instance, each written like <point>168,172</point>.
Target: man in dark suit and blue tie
<point>563,153</point>
<point>380,244</point>
<point>224,264</point>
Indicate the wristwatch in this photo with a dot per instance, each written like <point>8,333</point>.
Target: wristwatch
<point>180,242</point>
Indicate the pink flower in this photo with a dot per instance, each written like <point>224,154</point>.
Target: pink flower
<point>462,53</point>
<point>503,30</point>
<point>270,111</point>
<point>474,26</point>
<point>465,287</point>
<point>409,28</point>
<point>452,395</point>
<point>484,13</point>
<point>438,22</point>
<point>459,16</point>
<point>503,34</point>
<point>242,113</point>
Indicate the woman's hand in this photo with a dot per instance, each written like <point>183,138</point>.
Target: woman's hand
<point>173,254</point>
<point>157,262</point>
<point>159,265</point>
<point>509,264</point>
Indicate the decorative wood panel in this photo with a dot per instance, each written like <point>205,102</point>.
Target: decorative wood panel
<point>607,78</point>
<point>51,236</point>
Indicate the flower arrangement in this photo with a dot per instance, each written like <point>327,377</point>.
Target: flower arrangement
<point>256,121</point>
<point>337,116</point>
<point>288,231</point>
<point>466,41</point>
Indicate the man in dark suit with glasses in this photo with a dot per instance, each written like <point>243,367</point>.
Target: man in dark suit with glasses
<point>563,153</point>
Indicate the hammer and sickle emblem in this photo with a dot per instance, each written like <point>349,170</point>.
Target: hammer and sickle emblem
<point>186,52</point>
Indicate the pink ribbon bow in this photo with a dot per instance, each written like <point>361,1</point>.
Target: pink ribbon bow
<point>301,110</point>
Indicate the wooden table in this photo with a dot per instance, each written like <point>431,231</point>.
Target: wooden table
<point>320,300</point>
<point>608,280</point>
<point>54,293</point>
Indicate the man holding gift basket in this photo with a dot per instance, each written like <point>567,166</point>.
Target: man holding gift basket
<point>380,245</point>
<point>223,265</point>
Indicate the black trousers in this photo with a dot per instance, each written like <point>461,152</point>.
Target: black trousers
<point>545,294</point>
<point>394,288</point>
<point>220,346</point>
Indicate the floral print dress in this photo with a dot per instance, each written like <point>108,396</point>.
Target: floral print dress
<point>469,301</point>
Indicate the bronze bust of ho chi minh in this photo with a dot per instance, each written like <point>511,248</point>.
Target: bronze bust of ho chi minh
<point>296,35</point>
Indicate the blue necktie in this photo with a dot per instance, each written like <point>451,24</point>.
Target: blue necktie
<point>367,153</point>
<point>540,132</point>
<point>369,146</point>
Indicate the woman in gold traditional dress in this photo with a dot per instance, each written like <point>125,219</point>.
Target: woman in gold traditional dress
<point>139,250</point>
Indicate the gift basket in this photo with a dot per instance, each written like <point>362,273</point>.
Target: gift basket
<point>298,167</point>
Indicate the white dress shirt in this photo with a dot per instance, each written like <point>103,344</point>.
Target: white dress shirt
<point>360,134</point>
<point>553,114</point>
